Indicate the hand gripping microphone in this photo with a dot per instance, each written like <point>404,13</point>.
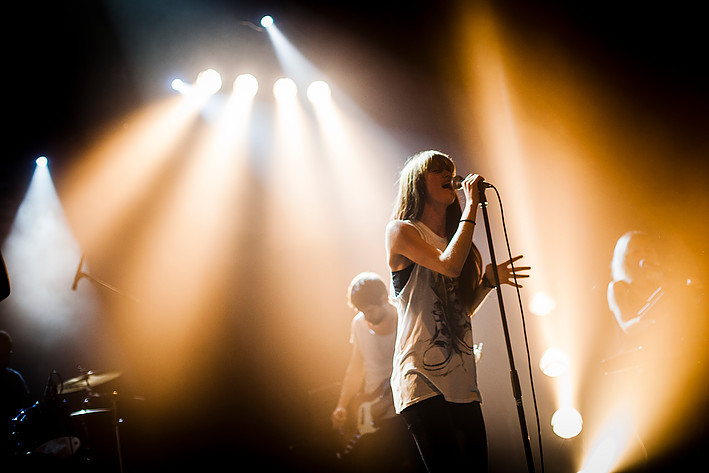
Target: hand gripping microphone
<point>458,183</point>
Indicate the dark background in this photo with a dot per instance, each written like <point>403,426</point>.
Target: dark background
<point>71,68</point>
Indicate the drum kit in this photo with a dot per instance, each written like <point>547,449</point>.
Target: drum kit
<point>52,430</point>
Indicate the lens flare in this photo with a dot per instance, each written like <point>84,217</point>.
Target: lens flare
<point>554,362</point>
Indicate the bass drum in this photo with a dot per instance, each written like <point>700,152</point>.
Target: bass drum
<point>43,429</point>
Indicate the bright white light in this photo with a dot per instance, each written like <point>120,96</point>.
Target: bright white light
<point>318,91</point>
<point>542,304</point>
<point>566,422</point>
<point>266,21</point>
<point>611,444</point>
<point>554,362</point>
<point>245,85</point>
<point>41,162</point>
<point>41,254</point>
<point>284,89</point>
<point>178,85</point>
<point>208,82</point>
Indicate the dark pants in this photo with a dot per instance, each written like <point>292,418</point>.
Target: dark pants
<point>450,436</point>
<point>388,450</point>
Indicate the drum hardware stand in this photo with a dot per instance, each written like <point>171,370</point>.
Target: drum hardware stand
<point>516,388</point>
<point>86,374</point>
<point>116,422</point>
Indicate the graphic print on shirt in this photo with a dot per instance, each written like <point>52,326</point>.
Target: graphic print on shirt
<point>452,327</point>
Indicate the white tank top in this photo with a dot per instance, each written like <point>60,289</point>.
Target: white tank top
<point>434,345</point>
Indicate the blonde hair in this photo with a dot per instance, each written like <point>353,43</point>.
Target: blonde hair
<point>366,288</point>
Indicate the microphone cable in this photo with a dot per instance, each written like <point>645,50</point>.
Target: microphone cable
<point>524,326</point>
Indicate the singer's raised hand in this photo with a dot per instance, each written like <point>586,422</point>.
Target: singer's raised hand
<point>504,271</point>
<point>471,188</point>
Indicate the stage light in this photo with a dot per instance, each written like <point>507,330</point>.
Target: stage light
<point>566,422</point>
<point>42,246</point>
<point>284,89</point>
<point>554,362</point>
<point>318,91</point>
<point>542,304</point>
<point>267,21</point>
<point>178,85</point>
<point>208,82</point>
<point>245,85</point>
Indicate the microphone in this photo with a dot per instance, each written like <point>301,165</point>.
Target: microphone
<point>78,274</point>
<point>458,183</point>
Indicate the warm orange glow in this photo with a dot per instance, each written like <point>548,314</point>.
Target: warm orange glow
<point>259,220</point>
<point>154,204</point>
<point>555,140</point>
<point>119,170</point>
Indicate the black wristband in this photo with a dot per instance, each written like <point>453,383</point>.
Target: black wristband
<point>468,220</point>
<point>486,282</point>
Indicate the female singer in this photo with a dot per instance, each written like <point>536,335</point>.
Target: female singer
<point>438,283</point>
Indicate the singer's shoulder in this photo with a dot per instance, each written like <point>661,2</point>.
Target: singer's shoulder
<point>396,225</point>
<point>401,228</point>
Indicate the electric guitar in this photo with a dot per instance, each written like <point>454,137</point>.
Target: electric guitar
<point>369,409</point>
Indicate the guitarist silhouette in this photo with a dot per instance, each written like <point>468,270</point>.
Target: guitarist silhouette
<point>373,436</point>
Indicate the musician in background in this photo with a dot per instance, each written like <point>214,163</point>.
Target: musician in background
<point>653,307</point>
<point>14,394</point>
<point>659,317</point>
<point>373,334</point>
<point>637,282</point>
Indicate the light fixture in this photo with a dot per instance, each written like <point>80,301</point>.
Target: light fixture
<point>267,21</point>
<point>284,89</point>
<point>566,422</point>
<point>178,85</point>
<point>318,91</point>
<point>245,85</point>
<point>208,82</point>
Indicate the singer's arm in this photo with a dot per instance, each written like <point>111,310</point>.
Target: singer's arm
<point>405,245</point>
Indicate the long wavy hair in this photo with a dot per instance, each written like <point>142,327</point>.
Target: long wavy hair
<point>409,206</point>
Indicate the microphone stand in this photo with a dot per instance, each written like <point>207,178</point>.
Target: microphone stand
<point>110,287</point>
<point>516,389</point>
<point>80,274</point>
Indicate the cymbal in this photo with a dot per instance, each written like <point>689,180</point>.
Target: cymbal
<point>84,412</point>
<point>87,381</point>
